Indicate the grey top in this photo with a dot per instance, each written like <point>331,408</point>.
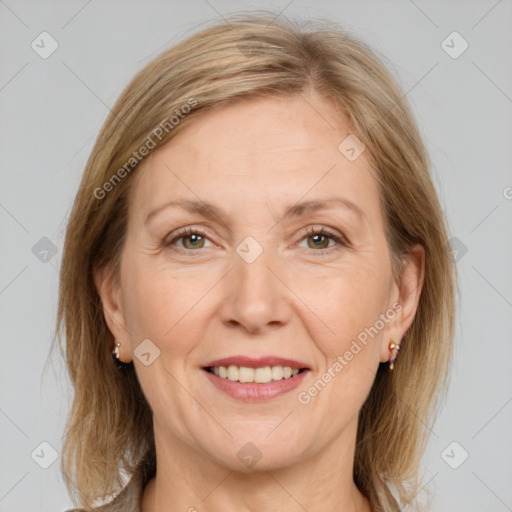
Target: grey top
<point>130,498</point>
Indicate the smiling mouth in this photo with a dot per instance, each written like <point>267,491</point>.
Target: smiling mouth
<point>262,375</point>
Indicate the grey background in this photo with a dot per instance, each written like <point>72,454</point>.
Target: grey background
<point>52,109</point>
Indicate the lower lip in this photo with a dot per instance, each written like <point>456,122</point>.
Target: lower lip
<point>252,391</point>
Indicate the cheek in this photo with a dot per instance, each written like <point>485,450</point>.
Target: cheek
<point>348,306</point>
<point>346,300</point>
<point>165,304</point>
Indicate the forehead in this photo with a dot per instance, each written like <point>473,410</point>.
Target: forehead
<point>269,150</point>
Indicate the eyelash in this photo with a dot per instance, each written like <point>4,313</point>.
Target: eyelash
<point>312,231</point>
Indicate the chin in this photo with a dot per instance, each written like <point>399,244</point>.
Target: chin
<point>260,454</point>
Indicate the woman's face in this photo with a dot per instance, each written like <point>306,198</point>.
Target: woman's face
<point>253,285</point>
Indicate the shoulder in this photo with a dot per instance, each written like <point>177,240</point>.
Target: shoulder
<point>130,498</point>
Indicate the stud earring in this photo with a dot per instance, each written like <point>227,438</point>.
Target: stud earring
<point>115,356</point>
<point>393,348</point>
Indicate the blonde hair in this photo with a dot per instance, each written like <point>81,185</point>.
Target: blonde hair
<point>109,429</point>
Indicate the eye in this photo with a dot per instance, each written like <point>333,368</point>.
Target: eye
<point>321,236</point>
<point>193,239</point>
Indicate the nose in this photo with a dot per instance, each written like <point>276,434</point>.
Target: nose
<point>255,295</point>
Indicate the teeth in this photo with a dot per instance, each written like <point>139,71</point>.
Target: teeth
<point>263,375</point>
<point>233,373</point>
<point>259,375</point>
<point>246,374</point>
<point>277,372</point>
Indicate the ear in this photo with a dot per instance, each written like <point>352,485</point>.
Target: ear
<point>109,292</point>
<point>406,292</point>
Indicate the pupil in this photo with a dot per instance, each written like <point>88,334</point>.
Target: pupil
<point>192,239</point>
<point>317,239</point>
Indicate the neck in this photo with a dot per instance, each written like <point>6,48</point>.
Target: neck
<point>190,481</point>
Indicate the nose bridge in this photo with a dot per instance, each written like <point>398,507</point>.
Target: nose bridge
<point>256,297</point>
<point>253,277</point>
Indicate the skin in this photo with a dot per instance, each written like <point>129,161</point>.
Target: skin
<point>252,159</point>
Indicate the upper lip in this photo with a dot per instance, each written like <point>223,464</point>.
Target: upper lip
<point>260,362</point>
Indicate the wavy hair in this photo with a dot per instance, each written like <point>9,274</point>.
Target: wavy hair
<point>109,429</point>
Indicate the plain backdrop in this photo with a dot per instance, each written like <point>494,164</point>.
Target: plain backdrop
<point>52,108</point>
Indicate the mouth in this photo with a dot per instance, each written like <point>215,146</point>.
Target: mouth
<point>255,380</point>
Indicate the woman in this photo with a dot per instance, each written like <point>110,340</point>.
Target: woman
<point>257,243</point>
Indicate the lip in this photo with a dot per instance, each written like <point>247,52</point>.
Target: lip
<point>260,362</point>
<point>252,391</point>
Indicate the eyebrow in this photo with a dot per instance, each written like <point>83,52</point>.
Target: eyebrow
<point>211,211</point>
